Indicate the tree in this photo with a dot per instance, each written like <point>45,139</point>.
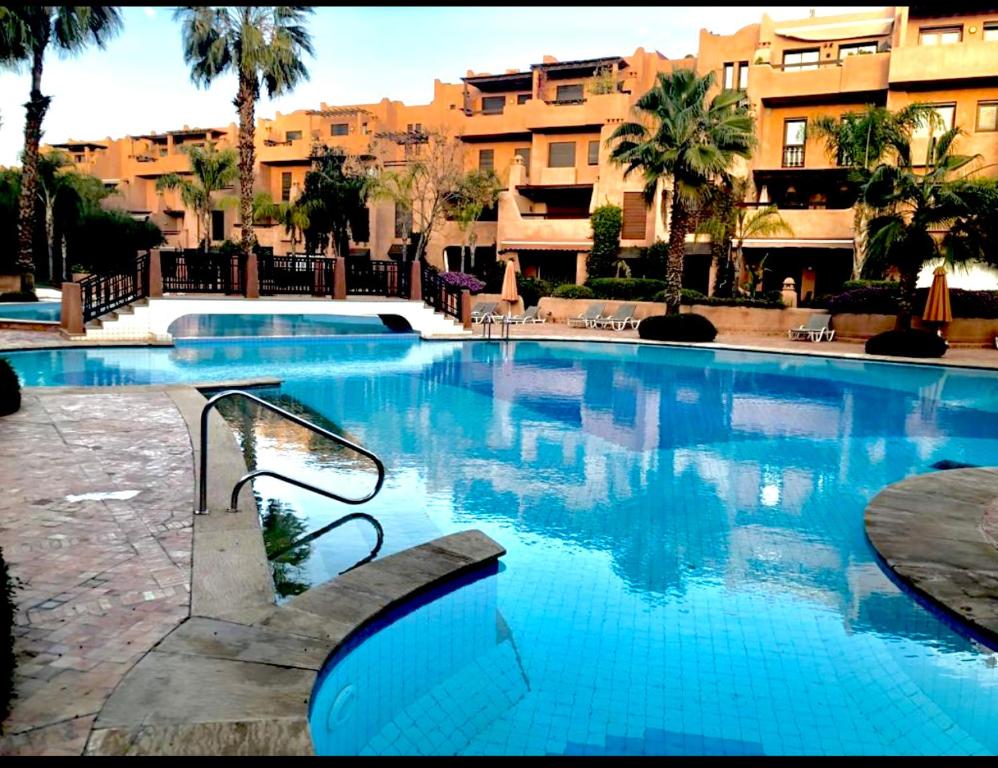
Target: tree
<point>476,191</point>
<point>736,222</point>
<point>213,170</point>
<point>606,222</point>
<point>432,175</point>
<point>26,32</point>
<point>335,194</point>
<point>910,206</point>
<point>293,216</point>
<point>687,142</point>
<point>254,42</point>
<point>859,141</point>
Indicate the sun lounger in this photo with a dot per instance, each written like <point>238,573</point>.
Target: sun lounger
<point>816,329</point>
<point>587,319</point>
<point>483,310</point>
<point>619,320</point>
<point>530,316</point>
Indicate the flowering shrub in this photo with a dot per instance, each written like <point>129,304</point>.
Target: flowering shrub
<point>463,280</point>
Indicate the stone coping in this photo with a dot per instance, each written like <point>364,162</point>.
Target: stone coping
<point>939,533</point>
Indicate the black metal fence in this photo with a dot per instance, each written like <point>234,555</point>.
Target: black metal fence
<point>194,271</point>
<point>100,294</point>
<point>440,295</point>
<point>302,274</point>
<point>376,277</point>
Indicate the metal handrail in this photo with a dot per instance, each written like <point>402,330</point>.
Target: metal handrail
<point>379,531</point>
<point>203,484</point>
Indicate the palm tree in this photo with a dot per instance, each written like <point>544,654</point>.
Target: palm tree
<point>293,216</point>
<point>61,194</point>
<point>254,42</point>
<point>910,206</point>
<point>686,141</point>
<point>213,170</point>
<point>859,141</point>
<point>26,32</point>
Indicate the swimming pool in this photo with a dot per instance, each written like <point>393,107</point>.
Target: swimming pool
<point>687,569</point>
<point>30,310</point>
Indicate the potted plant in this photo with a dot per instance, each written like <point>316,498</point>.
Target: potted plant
<point>79,272</point>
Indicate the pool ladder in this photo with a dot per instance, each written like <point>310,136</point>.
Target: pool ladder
<point>234,499</point>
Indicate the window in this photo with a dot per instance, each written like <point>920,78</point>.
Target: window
<point>854,49</point>
<point>569,93</point>
<point>341,129</point>
<point>801,59</point>
<point>561,154</point>
<point>408,128</point>
<point>363,128</point>
<point>285,187</point>
<point>945,112</point>
<point>635,216</point>
<point>743,76</point>
<point>794,136</point>
<point>78,158</point>
<point>292,135</point>
<point>987,116</point>
<point>524,152</point>
<point>218,225</point>
<point>729,75</point>
<point>940,35</point>
<point>522,98</point>
<point>419,127</point>
<point>486,159</point>
<point>492,105</point>
<point>594,152</point>
<point>991,31</point>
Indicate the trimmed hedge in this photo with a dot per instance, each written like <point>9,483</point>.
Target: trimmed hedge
<point>626,288</point>
<point>18,296</point>
<point>682,327</point>
<point>851,285</point>
<point>874,301</point>
<point>531,289</point>
<point>909,343</point>
<point>769,300</point>
<point>10,388</point>
<point>573,291</point>
<point>6,640</point>
<point>883,300</point>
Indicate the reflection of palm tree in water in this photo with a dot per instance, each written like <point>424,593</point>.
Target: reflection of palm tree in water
<point>281,526</point>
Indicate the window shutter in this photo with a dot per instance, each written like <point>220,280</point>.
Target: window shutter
<point>635,216</point>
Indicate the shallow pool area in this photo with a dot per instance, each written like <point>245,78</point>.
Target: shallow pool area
<point>31,310</point>
<point>687,568</point>
<point>241,325</point>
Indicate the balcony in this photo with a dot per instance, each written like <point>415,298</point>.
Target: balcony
<point>793,156</point>
<point>151,167</point>
<point>516,230</point>
<point>285,152</point>
<point>817,226</point>
<point>539,115</point>
<point>853,76</point>
<point>927,64</point>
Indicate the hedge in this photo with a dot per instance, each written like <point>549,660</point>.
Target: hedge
<point>626,288</point>
<point>463,280</point>
<point>769,300</point>
<point>573,291</point>
<point>681,327</point>
<point>6,640</point>
<point>884,301</point>
<point>907,343</point>
<point>531,289</point>
<point>851,285</point>
<point>10,388</point>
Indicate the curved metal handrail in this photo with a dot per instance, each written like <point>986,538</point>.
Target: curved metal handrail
<point>379,531</point>
<point>203,484</point>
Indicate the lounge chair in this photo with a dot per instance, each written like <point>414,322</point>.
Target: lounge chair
<point>619,320</point>
<point>483,310</point>
<point>816,329</point>
<point>588,318</point>
<point>530,316</point>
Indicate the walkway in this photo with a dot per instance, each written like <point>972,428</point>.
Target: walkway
<point>95,521</point>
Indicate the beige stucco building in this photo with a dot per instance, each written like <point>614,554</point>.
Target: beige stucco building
<point>544,131</point>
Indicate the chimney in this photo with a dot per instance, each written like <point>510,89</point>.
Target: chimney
<point>549,59</point>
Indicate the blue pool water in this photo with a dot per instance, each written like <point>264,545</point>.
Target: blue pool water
<point>687,569</point>
<point>30,310</point>
<point>199,326</point>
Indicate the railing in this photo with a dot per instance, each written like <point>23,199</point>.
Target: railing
<point>100,294</point>
<point>194,271</point>
<point>203,481</point>
<point>295,275</point>
<point>793,157</point>
<point>440,295</point>
<point>379,532</point>
<point>377,277</point>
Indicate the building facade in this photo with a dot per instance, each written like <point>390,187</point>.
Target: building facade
<point>544,131</point>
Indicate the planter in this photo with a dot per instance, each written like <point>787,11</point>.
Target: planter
<point>77,276</point>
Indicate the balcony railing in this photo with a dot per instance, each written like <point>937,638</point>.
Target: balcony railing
<point>193,271</point>
<point>793,157</point>
<point>299,274</point>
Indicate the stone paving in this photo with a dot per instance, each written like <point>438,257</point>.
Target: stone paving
<point>103,577</point>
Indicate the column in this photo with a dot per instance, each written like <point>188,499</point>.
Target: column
<point>71,316</point>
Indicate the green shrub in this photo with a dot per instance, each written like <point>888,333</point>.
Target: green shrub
<point>682,327</point>
<point>18,296</point>
<point>876,301</point>
<point>573,291</point>
<point>531,289</point>
<point>606,222</point>
<point>883,300</point>
<point>10,388</point>
<point>105,241</point>
<point>6,639</point>
<point>768,300</point>
<point>851,285</point>
<point>652,261</point>
<point>909,343</point>
<point>626,288</point>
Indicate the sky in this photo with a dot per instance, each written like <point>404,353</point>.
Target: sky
<point>139,82</point>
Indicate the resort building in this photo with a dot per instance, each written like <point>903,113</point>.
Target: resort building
<point>544,131</point>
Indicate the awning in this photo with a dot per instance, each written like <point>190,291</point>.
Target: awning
<point>838,30</point>
<point>796,242</point>
<point>546,245</point>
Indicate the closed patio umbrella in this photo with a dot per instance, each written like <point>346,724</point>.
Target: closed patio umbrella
<point>937,309</point>
<point>509,293</point>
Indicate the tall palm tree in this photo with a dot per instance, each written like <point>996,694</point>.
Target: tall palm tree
<point>26,32</point>
<point>911,206</point>
<point>859,141</point>
<point>212,170</point>
<point>254,42</point>
<point>687,141</point>
<point>293,216</point>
